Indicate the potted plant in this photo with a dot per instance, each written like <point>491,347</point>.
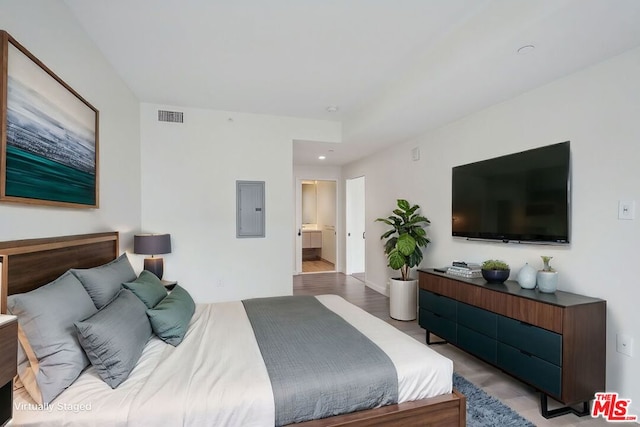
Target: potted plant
<point>547,278</point>
<point>402,248</point>
<point>495,271</point>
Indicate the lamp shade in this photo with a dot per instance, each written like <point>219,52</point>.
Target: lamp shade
<point>152,244</point>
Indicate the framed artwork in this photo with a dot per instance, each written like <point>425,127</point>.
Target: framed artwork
<point>49,144</point>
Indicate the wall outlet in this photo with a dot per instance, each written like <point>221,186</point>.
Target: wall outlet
<point>626,209</point>
<point>415,154</point>
<point>624,344</point>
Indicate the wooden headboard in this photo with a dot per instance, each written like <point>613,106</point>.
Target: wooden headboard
<point>29,264</point>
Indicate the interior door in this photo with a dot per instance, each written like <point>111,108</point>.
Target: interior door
<point>355,213</point>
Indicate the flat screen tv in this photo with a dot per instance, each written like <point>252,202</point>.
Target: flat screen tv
<point>522,197</point>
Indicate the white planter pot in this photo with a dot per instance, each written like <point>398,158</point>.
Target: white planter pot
<point>403,299</point>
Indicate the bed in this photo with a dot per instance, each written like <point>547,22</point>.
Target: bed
<point>168,383</point>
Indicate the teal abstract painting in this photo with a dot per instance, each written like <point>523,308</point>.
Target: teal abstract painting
<point>51,142</point>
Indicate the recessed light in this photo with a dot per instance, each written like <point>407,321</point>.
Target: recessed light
<point>332,108</point>
<point>526,49</point>
<point>322,157</point>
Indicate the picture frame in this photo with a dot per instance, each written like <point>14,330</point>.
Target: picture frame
<point>49,135</point>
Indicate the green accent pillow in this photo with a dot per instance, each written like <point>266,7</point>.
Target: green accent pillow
<point>148,288</point>
<point>170,318</point>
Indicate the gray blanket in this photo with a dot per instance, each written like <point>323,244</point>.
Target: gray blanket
<point>319,365</point>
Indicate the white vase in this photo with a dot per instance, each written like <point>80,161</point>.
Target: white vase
<point>403,299</point>
<point>547,281</point>
<point>527,277</point>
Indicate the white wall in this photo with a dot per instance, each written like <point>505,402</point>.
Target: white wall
<point>597,110</point>
<point>189,174</point>
<point>49,31</point>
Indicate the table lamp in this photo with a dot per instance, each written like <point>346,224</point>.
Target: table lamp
<point>152,244</point>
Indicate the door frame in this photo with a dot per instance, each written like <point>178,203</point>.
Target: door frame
<point>298,223</point>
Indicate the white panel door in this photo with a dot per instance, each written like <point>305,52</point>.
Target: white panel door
<point>355,213</point>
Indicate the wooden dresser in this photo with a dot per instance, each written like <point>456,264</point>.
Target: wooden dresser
<point>8,354</point>
<point>554,342</point>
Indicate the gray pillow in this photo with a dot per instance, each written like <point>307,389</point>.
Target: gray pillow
<point>115,336</point>
<point>148,288</point>
<point>170,318</point>
<point>103,282</point>
<point>46,316</point>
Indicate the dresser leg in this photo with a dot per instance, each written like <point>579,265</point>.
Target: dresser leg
<point>544,409</point>
<point>429,342</point>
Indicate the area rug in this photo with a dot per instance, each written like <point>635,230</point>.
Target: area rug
<point>484,410</point>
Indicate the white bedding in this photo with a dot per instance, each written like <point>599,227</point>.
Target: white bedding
<point>216,376</point>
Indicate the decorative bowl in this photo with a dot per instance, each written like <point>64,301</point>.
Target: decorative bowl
<point>495,276</point>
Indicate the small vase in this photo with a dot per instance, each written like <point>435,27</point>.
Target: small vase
<point>547,281</point>
<point>527,277</point>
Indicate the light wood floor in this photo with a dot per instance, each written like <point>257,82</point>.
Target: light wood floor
<point>517,395</point>
<point>317,266</point>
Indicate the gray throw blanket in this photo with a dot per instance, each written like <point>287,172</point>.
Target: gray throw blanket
<point>319,365</point>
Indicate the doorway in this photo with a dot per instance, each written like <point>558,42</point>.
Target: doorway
<point>355,216</point>
<point>317,235</point>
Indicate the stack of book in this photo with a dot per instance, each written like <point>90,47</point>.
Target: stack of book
<point>466,270</point>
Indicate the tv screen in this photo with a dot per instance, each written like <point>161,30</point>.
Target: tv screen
<point>522,197</point>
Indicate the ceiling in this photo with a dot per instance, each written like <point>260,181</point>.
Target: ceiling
<point>393,68</point>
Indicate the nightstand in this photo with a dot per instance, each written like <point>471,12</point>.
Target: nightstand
<point>8,356</point>
<point>169,284</point>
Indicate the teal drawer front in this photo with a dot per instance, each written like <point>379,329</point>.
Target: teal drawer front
<point>442,327</point>
<point>545,344</point>
<point>477,344</point>
<point>537,372</point>
<point>422,318</point>
<point>479,320</point>
<point>438,304</point>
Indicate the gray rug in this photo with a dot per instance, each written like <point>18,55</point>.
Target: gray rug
<point>484,410</point>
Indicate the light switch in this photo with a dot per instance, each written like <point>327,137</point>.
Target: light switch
<point>626,209</point>
<point>624,344</point>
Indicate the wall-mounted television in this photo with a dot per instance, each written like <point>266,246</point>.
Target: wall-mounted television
<point>522,197</point>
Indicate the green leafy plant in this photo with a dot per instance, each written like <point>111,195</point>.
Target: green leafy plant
<point>405,238</point>
<point>495,264</point>
<point>545,260</point>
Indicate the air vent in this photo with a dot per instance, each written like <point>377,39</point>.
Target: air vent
<point>170,116</point>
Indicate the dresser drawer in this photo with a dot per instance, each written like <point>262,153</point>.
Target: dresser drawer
<point>442,327</point>
<point>477,344</point>
<point>544,344</point>
<point>537,372</point>
<point>477,319</point>
<point>445,307</point>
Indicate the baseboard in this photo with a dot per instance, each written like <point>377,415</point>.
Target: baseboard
<point>380,289</point>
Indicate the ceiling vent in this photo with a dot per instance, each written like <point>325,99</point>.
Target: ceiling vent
<point>170,116</point>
